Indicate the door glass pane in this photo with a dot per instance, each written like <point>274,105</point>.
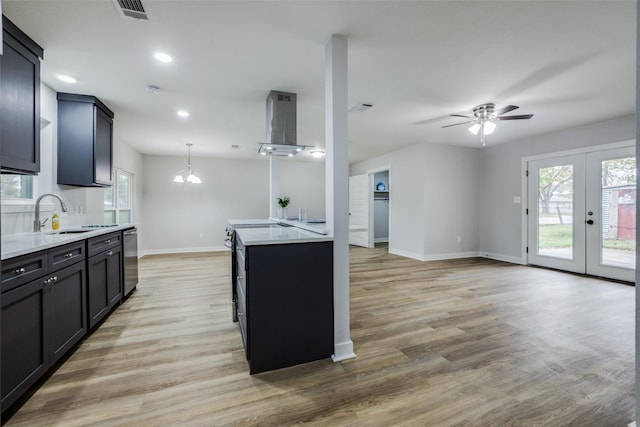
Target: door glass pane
<point>618,243</point>
<point>555,211</point>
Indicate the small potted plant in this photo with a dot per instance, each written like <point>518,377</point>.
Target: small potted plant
<point>283,202</point>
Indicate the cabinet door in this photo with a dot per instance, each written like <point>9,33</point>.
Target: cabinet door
<point>103,147</point>
<point>68,310</point>
<point>19,104</point>
<point>23,331</point>
<point>105,283</point>
<point>114,276</point>
<point>98,304</point>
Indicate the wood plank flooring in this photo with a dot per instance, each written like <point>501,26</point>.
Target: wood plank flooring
<point>450,343</point>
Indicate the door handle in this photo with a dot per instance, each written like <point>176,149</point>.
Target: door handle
<point>589,221</point>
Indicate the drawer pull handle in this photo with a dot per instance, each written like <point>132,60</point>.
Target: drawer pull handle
<point>46,282</point>
<point>109,253</point>
<point>108,241</point>
<point>20,270</point>
<point>69,255</point>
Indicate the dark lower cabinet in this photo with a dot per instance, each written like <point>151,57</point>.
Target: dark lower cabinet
<point>19,101</point>
<point>105,283</point>
<point>68,310</point>
<point>41,321</point>
<point>24,330</point>
<point>285,303</point>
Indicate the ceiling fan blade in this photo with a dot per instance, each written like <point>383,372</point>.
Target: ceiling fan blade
<point>460,115</point>
<point>506,109</point>
<point>457,124</point>
<point>524,116</point>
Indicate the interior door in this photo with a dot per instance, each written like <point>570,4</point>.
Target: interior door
<point>611,213</point>
<point>359,201</point>
<point>556,213</point>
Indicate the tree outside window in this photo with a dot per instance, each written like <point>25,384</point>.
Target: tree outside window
<point>118,199</point>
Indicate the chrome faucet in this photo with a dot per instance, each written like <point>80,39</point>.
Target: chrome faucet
<point>37,225</point>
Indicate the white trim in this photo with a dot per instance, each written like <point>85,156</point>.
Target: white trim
<point>381,240</point>
<point>406,254</point>
<point>453,255</point>
<point>582,150</point>
<point>183,250</point>
<point>504,258</point>
<point>343,351</point>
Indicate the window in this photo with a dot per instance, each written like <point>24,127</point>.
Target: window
<point>118,199</point>
<point>16,186</point>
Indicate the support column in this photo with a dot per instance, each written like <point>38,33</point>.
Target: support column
<point>337,188</point>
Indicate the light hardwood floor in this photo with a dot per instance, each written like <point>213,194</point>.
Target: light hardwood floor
<point>462,342</point>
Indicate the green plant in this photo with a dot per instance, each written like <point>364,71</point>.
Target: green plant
<point>283,201</point>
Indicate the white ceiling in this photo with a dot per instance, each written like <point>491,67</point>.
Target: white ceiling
<point>568,62</point>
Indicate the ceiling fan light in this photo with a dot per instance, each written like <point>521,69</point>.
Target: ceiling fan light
<point>475,128</point>
<point>489,127</point>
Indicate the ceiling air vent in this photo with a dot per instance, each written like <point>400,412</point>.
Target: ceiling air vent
<point>131,8</point>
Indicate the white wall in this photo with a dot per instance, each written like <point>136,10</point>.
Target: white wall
<point>500,180</point>
<point>434,200</point>
<point>176,215</point>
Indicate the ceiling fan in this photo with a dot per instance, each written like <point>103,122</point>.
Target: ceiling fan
<point>484,118</point>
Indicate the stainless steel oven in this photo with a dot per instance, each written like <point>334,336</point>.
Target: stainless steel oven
<point>130,249</point>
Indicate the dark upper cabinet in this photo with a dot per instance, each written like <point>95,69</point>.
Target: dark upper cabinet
<point>85,141</point>
<point>19,101</point>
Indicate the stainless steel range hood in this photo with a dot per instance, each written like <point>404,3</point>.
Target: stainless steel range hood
<point>281,126</point>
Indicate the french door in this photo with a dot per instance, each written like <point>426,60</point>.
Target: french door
<point>582,213</point>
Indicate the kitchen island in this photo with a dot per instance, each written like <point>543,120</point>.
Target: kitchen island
<point>283,279</point>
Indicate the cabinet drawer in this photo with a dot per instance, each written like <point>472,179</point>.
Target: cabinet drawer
<point>99,244</point>
<point>20,270</point>
<point>66,255</point>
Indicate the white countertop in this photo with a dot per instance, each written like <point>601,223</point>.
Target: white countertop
<point>320,228</point>
<point>260,221</point>
<point>279,235</point>
<point>14,245</point>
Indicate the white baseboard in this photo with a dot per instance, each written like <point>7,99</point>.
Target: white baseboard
<point>406,254</point>
<point>182,250</point>
<point>381,240</point>
<point>453,255</point>
<point>343,351</point>
<point>505,258</point>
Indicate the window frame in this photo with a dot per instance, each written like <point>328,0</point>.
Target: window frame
<point>115,210</point>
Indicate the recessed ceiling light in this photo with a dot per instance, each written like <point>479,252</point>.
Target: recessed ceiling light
<point>65,78</point>
<point>317,153</point>
<point>183,113</point>
<point>162,57</point>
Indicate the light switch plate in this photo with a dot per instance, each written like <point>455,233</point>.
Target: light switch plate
<point>516,199</point>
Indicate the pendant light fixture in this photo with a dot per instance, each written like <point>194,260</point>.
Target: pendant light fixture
<point>190,175</point>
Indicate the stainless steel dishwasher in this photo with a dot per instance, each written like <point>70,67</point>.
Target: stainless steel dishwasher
<point>130,247</point>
